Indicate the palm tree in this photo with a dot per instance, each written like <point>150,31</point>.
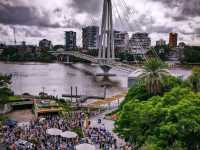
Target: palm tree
<point>152,75</point>
<point>194,79</point>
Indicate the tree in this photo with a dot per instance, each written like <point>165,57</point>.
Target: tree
<point>194,79</point>
<point>169,122</point>
<point>191,54</point>
<point>5,91</point>
<point>162,51</point>
<point>152,74</point>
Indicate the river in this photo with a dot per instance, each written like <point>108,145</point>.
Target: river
<point>56,79</point>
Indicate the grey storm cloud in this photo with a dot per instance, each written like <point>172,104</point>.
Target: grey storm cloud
<point>3,31</point>
<point>197,32</point>
<point>12,14</point>
<point>186,8</point>
<point>21,15</point>
<point>35,32</point>
<point>87,6</point>
<point>161,29</point>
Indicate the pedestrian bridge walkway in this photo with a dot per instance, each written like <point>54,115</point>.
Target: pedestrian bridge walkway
<point>109,62</point>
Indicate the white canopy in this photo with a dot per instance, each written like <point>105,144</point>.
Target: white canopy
<point>68,134</point>
<point>53,131</point>
<point>23,124</point>
<point>42,119</point>
<point>85,146</point>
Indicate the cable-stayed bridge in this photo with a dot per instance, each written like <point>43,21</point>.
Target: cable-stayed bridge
<point>95,60</point>
<point>106,55</point>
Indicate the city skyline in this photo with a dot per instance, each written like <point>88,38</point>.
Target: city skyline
<point>41,19</point>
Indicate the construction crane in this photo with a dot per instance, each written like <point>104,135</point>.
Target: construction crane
<point>14,32</point>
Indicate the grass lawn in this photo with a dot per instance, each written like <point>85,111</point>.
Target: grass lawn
<point>11,99</point>
<point>14,98</point>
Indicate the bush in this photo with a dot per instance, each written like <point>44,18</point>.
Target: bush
<point>171,121</point>
<point>192,54</point>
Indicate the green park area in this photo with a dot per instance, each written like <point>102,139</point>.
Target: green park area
<point>161,112</point>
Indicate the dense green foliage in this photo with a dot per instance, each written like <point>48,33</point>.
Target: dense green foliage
<point>127,56</point>
<point>5,91</point>
<point>161,51</point>
<point>78,131</point>
<point>140,92</point>
<point>191,54</point>
<point>121,55</point>
<point>2,119</point>
<point>164,122</point>
<point>13,54</point>
<point>194,79</point>
<point>168,121</point>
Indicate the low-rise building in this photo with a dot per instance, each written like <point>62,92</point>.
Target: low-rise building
<point>46,107</point>
<point>173,39</point>
<point>139,43</point>
<point>70,40</point>
<point>90,37</point>
<point>121,40</point>
<point>161,42</point>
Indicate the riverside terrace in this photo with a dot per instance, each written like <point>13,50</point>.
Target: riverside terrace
<point>46,107</point>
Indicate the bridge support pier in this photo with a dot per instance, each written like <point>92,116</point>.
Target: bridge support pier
<point>105,69</point>
<point>105,73</point>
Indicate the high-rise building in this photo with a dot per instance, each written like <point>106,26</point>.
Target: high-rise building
<point>45,44</point>
<point>173,39</point>
<point>70,40</point>
<point>90,37</point>
<point>120,40</point>
<point>161,42</point>
<point>139,43</point>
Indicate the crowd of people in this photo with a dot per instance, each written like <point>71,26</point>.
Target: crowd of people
<point>35,132</point>
<point>102,138</point>
<point>74,119</point>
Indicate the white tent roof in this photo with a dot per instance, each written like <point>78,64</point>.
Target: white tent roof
<point>68,134</point>
<point>23,124</point>
<point>85,146</point>
<point>53,131</point>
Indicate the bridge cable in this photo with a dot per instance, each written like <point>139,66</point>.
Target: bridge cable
<point>131,27</point>
<point>120,18</point>
<point>127,8</point>
<point>132,12</point>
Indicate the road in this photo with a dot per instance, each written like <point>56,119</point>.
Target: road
<point>108,124</point>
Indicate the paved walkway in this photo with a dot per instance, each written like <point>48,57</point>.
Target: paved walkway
<point>108,124</point>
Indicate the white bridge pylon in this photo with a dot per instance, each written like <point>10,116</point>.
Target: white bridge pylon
<point>106,42</point>
<point>106,55</point>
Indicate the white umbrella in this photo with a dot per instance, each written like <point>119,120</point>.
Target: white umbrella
<point>68,135</point>
<point>42,119</point>
<point>23,124</point>
<point>53,131</point>
<point>85,146</point>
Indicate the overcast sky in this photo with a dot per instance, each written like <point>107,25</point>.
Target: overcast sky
<point>38,19</point>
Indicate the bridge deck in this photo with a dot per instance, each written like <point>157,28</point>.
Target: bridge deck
<point>112,64</point>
